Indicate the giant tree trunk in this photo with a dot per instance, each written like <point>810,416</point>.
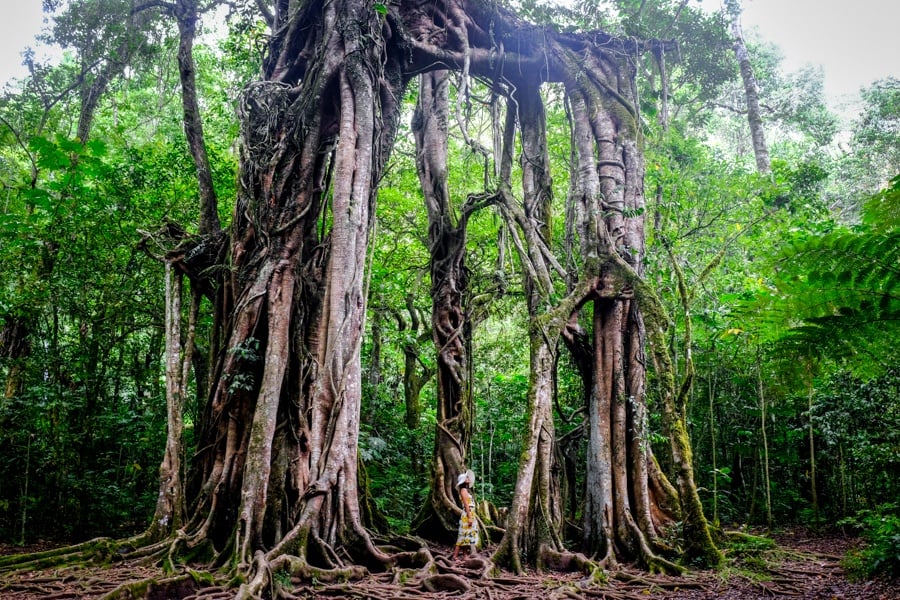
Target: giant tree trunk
<point>276,468</point>
<point>274,482</point>
<point>451,327</point>
<point>622,517</point>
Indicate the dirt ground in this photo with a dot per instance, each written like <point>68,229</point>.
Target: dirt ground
<point>803,565</point>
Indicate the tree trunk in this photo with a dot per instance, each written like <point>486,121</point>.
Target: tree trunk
<point>813,486</point>
<point>751,93</point>
<point>186,16</point>
<point>277,466</point>
<point>622,515</point>
<point>767,485</point>
<point>170,502</point>
<point>535,517</point>
<point>712,445</point>
<point>451,328</point>
<point>15,348</point>
<point>276,472</point>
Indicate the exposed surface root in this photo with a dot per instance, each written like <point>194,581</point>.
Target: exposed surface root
<point>430,574</point>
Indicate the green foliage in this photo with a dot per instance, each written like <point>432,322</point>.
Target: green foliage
<point>396,456</point>
<point>497,440</point>
<point>859,455</point>
<point>880,557</point>
<point>878,130</point>
<point>882,211</point>
<point>835,294</point>
<point>83,428</point>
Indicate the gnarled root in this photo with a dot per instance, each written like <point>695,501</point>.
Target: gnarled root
<point>97,550</point>
<point>596,571</point>
<point>446,582</point>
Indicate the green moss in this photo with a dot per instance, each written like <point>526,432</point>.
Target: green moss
<point>743,544</point>
<point>202,577</point>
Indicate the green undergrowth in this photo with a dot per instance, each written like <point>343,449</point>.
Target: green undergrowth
<point>880,556</point>
<point>748,555</point>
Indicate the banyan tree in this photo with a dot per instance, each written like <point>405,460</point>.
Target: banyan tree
<point>275,480</point>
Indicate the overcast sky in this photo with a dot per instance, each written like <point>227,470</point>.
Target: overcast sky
<point>856,41</point>
<point>20,20</point>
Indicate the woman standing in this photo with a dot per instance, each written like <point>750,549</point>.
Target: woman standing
<point>468,525</point>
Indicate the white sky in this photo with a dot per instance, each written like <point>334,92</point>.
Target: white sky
<point>856,41</point>
<point>20,20</point>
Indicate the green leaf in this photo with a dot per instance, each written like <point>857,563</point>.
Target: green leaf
<point>39,198</point>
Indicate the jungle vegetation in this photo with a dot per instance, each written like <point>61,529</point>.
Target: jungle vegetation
<point>274,273</point>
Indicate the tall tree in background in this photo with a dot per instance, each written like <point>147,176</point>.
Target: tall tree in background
<point>751,90</point>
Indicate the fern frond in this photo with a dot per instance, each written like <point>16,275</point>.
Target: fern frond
<point>882,211</point>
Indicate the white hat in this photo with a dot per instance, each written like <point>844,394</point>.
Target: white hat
<point>467,477</point>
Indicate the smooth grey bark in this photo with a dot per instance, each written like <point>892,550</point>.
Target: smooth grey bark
<point>751,93</point>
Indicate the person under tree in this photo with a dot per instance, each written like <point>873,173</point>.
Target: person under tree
<point>468,525</point>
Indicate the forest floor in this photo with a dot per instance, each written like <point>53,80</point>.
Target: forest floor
<point>801,565</point>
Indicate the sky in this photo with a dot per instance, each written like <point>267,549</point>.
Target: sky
<point>856,41</point>
<point>20,20</point>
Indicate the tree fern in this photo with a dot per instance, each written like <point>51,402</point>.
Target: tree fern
<point>837,295</point>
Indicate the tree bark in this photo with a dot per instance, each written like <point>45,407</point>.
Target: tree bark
<point>451,328</point>
<point>276,472</point>
<point>813,485</point>
<point>170,502</point>
<point>277,466</point>
<point>751,93</point>
<point>535,517</point>
<point>186,15</point>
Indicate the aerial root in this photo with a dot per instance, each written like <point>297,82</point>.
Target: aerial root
<point>267,574</point>
<point>473,567</point>
<point>658,564</point>
<point>413,565</point>
<point>414,573</point>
